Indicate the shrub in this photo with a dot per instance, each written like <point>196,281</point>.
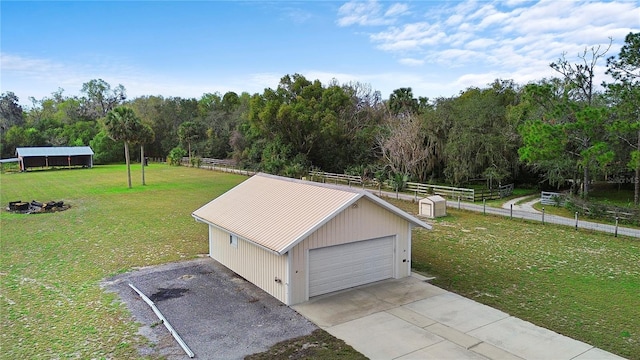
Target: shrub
<point>175,155</point>
<point>196,161</point>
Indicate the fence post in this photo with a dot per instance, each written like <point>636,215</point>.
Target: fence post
<point>458,202</point>
<point>543,216</point>
<point>616,234</point>
<point>397,193</point>
<point>415,196</point>
<point>511,212</point>
<point>484,206</point>
<point>576,220</point>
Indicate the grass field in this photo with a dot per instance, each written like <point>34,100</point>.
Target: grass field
<point>584,285</point>
<point>51,264</point>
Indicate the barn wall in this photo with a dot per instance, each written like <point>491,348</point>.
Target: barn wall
<point>366,221</point>
<point>253,263</point>
<point>61,161</point>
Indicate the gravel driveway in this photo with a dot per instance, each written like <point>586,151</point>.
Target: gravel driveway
<point>217,313</point>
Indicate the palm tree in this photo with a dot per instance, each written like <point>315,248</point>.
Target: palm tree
<point>144,135</point>
<point>402,102</point>
<point>122,125</point>
<point>189,131</point>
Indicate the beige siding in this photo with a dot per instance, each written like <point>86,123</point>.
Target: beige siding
<point>253,263</point>
<point>362,222</point>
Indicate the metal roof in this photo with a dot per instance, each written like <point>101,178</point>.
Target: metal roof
<point>54,151</point>
<point>435,199</point>
<point>276,213</point>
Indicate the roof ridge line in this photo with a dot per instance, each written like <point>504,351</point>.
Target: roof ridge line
<point>314,183</point>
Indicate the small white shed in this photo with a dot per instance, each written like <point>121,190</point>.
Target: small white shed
<point>433,206</point>
<point>297,239</point>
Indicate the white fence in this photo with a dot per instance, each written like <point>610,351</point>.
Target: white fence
<point>320,176</point>
<point>445,191</point>
<point>219,165</point>
<point>551,198</point>
<point>418,188</point>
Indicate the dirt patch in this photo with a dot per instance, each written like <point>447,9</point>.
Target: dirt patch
<point>319,345</point>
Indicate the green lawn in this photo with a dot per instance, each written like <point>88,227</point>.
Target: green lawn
<point>585,285</point>
<point>51,264</point>
<point>581,284</point>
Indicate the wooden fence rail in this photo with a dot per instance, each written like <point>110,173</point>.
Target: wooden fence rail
<point>335,178</point>
<point>445,191</point>
<point>493,194</point>
<point>419,188</point>
<point>223,165</point>
<point>210,161</point>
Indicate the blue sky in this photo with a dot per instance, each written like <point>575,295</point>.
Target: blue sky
<point>188,48</point>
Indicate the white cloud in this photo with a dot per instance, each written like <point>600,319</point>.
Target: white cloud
<point>454,19</point>
<point>409,37</point>
<point>361,13</point>
<point>465,8</point>
<point>474,79</point>
<point>480,44</point>
<point>454,58</point>
<point>514,39</point>
<point>411,62</point>
<point>459,39</point>
<point>483,12</point>
<point>495,18</point>
<point>512,3</point>
<point>396,9</point>
<point>38,78</point>
<point>258,82</point>
<point>369,13</point>
<point>298,16</point>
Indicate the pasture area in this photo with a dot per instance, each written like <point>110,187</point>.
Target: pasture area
<point>581,284</point>
<point>51,303</point>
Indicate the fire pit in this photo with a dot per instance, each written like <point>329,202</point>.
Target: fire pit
<point>36,207</point>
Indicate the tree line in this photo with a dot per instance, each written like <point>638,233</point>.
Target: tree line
<point>564,130</point>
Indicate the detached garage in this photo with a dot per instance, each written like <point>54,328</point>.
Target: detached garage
<point>297,239</point>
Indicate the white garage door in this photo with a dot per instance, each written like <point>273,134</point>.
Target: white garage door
<point>339,267</point>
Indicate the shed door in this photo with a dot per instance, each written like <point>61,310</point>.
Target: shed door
<point>425,209</point>
<point>340,267</point>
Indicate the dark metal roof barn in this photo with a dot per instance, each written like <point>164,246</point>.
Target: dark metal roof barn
<point>62,156</point>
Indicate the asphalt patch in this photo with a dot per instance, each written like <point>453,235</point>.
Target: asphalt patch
<point>164,294</point>
<point>217,313</point>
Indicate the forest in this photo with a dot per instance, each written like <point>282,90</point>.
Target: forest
<point>565,131</point>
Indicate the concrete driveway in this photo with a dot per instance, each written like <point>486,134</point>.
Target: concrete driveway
<point>218,314</point>
<point>412,319</point>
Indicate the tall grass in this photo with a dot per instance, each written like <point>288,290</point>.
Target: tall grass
<point>51,264</point>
